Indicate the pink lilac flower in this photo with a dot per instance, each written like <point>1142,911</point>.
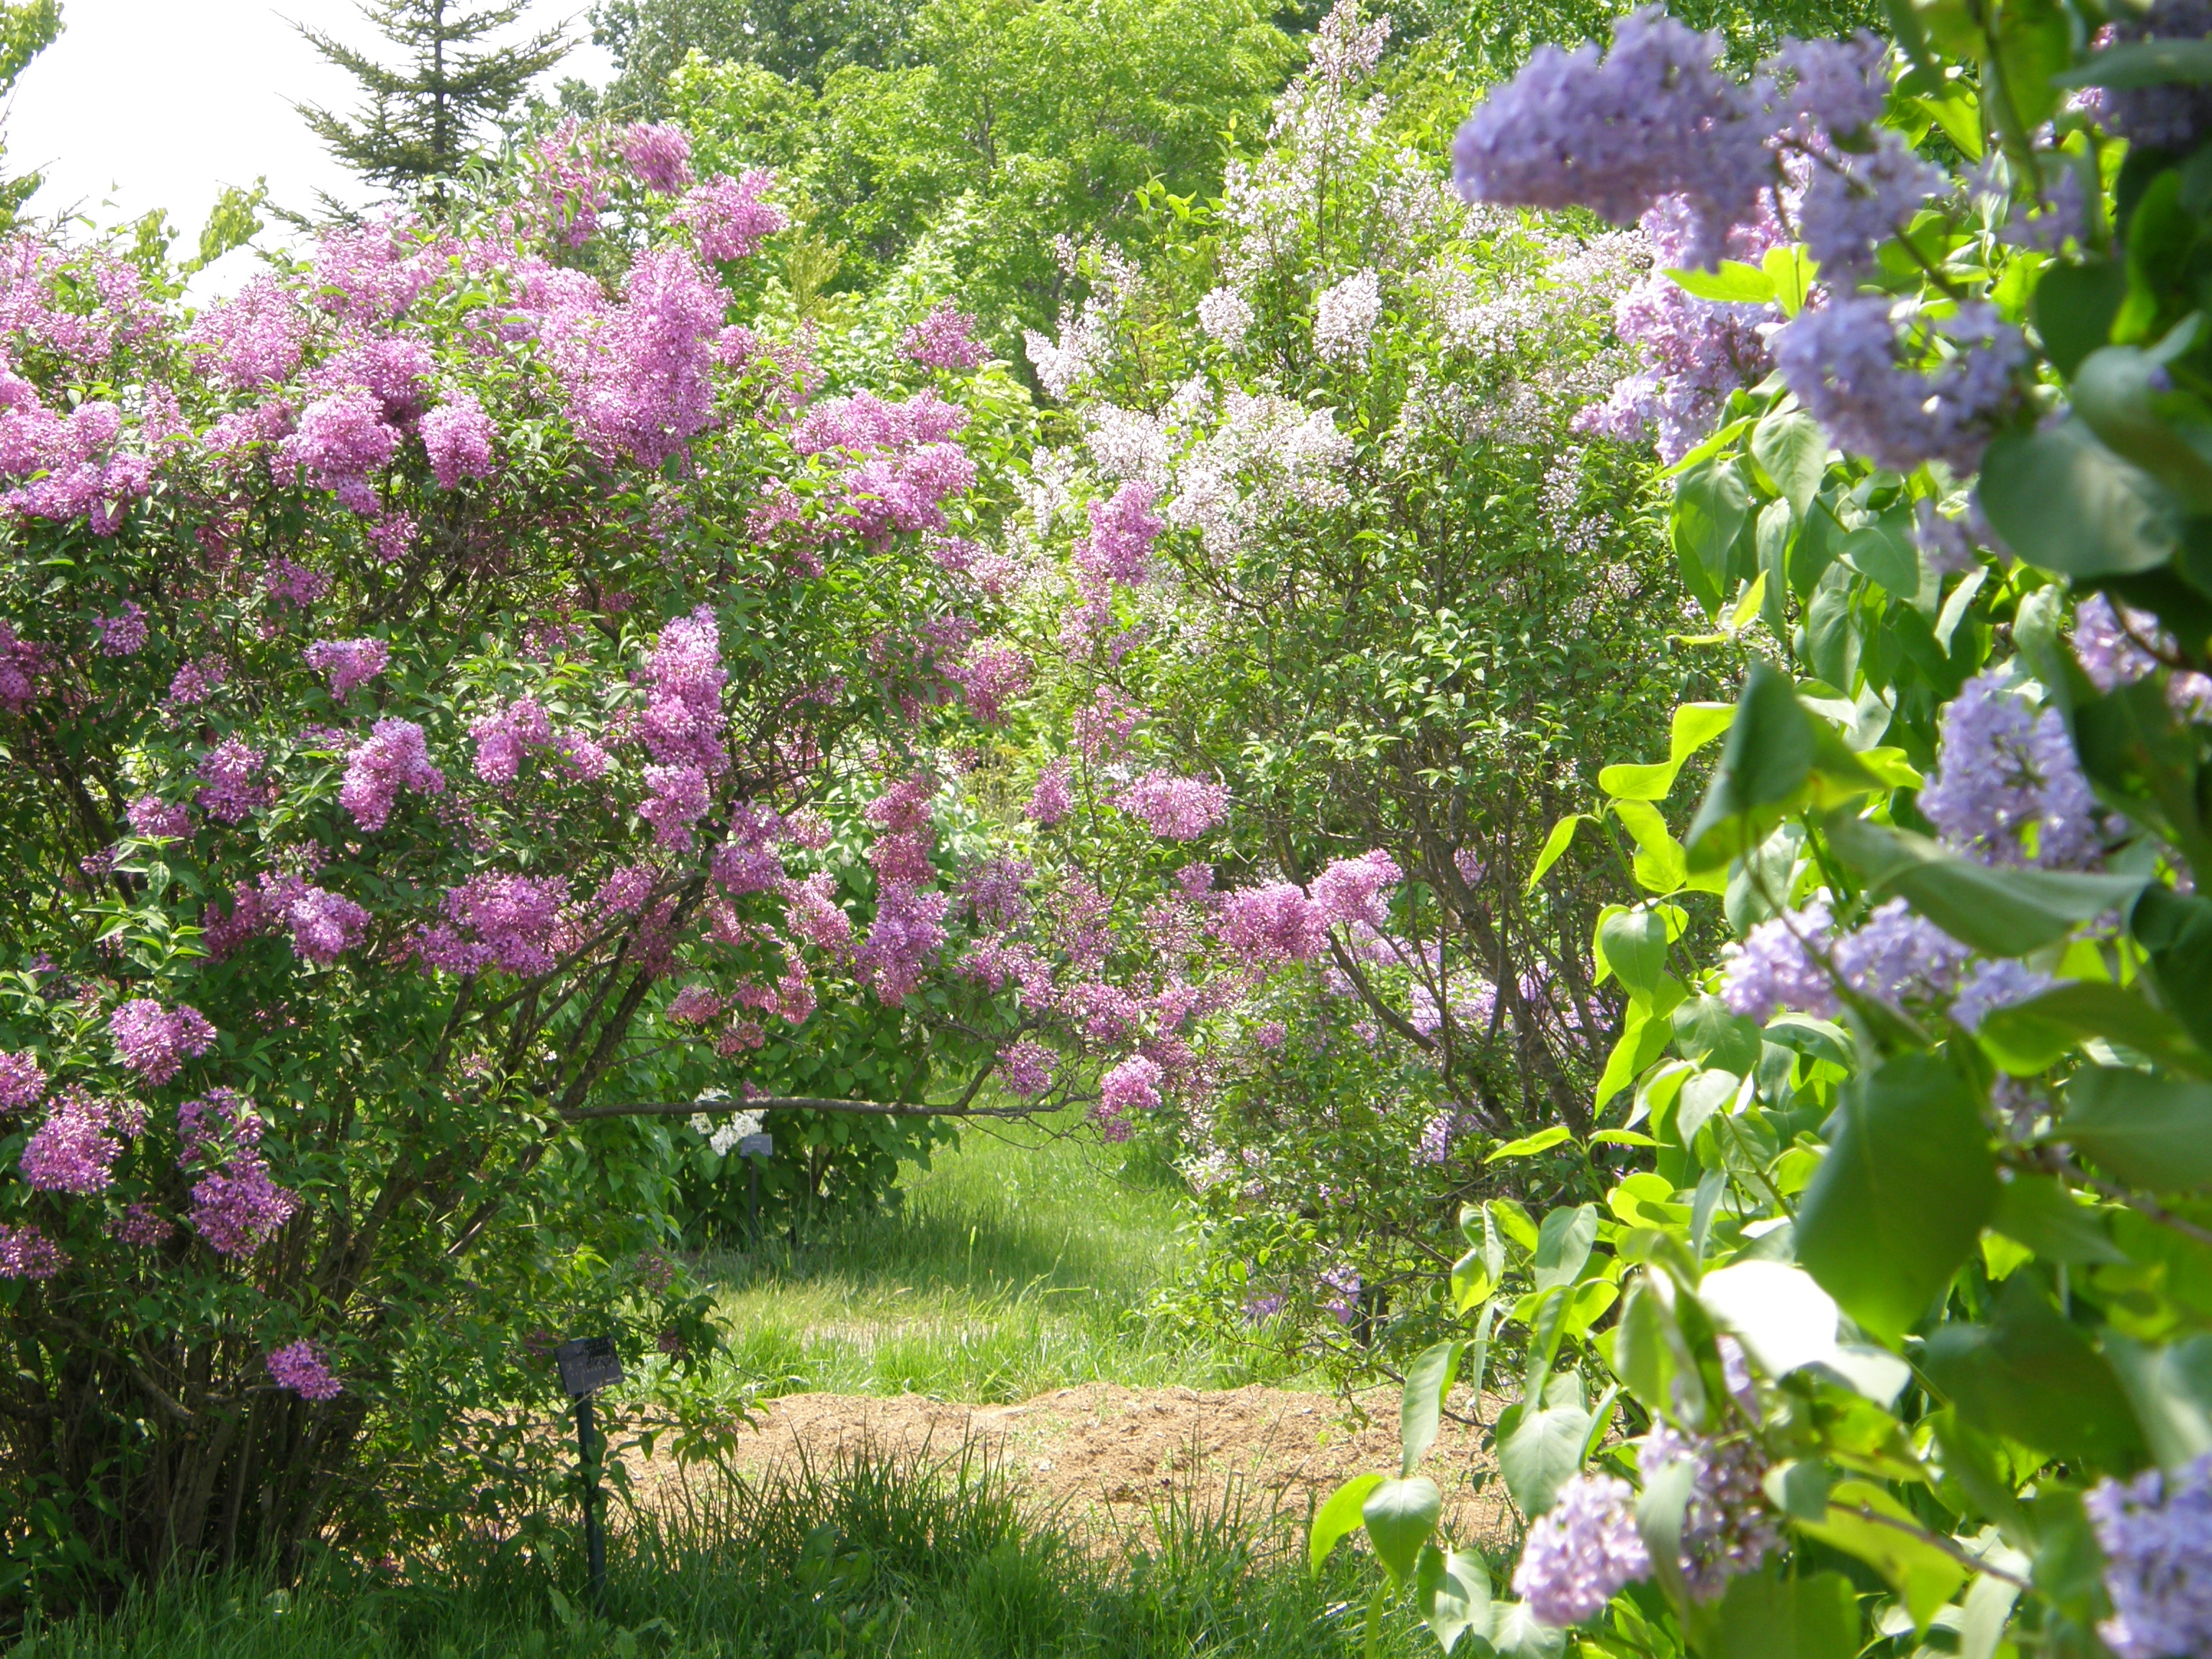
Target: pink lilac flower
<point>71,1150</point>
<point>728,216</point>
<point>1122,531</point>
<point>1273,924</point>
<point>395,757</point>
<point>2008,788</point>
<point>348,663</point>
<point>657,155</point>
<point>812,912</point>
<point>501,738</point>
<point>252,342</point>
<point>679,798</point>
<point>1655,119</point>
<point>496,920</point>
<point>1051,800</point>
<point>695,1005</point>
<point>684,680</point>
<point>300,1367</point>
<point>142,1226</point>
<point>1026,1067</point>
<point>458,436</point>
<point>21,661</point>
<point>72,465</point>
<point>1580,1552</point>
<point>1134,1084</point>
<point>941,340</point>
<point>25,1252</point>
<point>339,440</point>
<point>1273,1035</point>
<point>1727,1529</point>
<point>154,820</point>
<point>1351,890</point>
<point>747,862</point>
<point>22,1079</point>
<point>2156,1532</point>
<point>1841,360</point>
<point>995,672</point>
<point>191,686</point>
<point>1179,808</point>
<point>900,465</point>
<point>155,1041</point>
<point>638,374</point>
<point>324,926</point>
<point>236,1208</point>
<point>1104,725</point>
<point>123,635</point>
<point>908,931</point>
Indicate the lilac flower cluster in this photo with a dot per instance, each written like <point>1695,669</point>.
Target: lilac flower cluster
<point>123,635</point>
<point>395,757</point>
<point>1052,798</point>
<point>1842,360</point>
<point>300,1367</point>
<point>227,793</point>
<point>659,156</point>
<point>2008,789</point>
<point>27,1253</point>
<point>20,660</point>
<point>155,820</point>
<point>570,183</point>
<point>1122,532</point>
<point>458,436</point>
<point>72,1151</point>
<point>348,663</point>
<point>2115,646</point>
<point>1580,1552</point>
<point>2156,1534</point>
<point>1026,1067</point>
<point>908,931</point>
<point>993,673</point>
<point>944,339</point>
<point>1339,1289</point>
<point>253,341</point>
<point>901,463</point>
<point>1266,926</point>
<point>324,926</point>
<point>22,1079</point>
<point>73,466</point>
<point>1654,118</point>
<point>503,739</point>
<point>1177,809</point>
<point>1345,316</point>
<point>236,1208</point>
<point>638,374</point>
<point>495,921</point>
<point>1728,1527</point>
<point>155,1041</point>
<point>1989,986</point>
<point>2173,115</point>
<point>748,862</point>
<point>1350,890</point>
<point>727,216</point>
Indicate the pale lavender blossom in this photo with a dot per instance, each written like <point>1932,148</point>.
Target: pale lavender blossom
<point>1580,1552</point>
<point>2156,1534</point>
<point>1345,317</point>
<point>1854,202</point>
<point>1772,968</point>
<point>1339,1288</point>
<point>1841,360</point>
<point>1728,1527</point>
<point>2115,646</point>
<point>2008,788</point>
<point>1989,986</point>
<point>1898,958</point>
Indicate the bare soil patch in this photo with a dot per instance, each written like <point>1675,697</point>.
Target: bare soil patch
<point>1099,1446</point>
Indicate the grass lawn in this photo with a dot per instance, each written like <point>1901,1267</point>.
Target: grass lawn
<point>1026,1258</point>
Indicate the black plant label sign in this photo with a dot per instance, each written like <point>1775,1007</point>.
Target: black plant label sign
<point>587,1365</point>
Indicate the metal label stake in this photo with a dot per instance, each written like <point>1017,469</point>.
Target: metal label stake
<point>588,1364</point>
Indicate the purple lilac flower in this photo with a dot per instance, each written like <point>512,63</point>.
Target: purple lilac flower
<point>1841,360</point>
<point>2173,115</point>
<point>236,1208</point>
<point>1179,808</point>
<point>1026,1067</point>
<point>1580,1552</point>
<point>1653,119</point>
<point>1351,890</point>
<point>1436,1138</point>
<point>300,1367</point>
<point>657,155</point>
<point>1727,1528</point>
<point>22,1080</point>
<point>1134,1084</point>
<point>394,757</point>
<point>1989,986</point>
<point>1853,202</point>
<point>2006,772</point>
<point>155,1041</point>
<point>154,820</point>
<point>2156,1534</point>
<point>2114,646</point>
<point>71,1151</point>
<point>1834,86</point>
<point>728,217</point>
<point>1339,1288</point>
<point>941,340</point>
<point>25,1252</point>
<point>1261,1309</point>
<point>348,662</point>
<point>458,436</point>
<point>228,794</point>
<point>1773,968</point>
<point>1896,957</point>
<point>123,635</point>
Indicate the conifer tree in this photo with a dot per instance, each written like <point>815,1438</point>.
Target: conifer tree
<point>417,123</point>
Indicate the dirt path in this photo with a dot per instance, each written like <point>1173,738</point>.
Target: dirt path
<point>1079,1450</point>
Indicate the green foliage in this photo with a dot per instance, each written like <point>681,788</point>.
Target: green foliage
<point>796,40</point>
<point>419,123</point>
<point>1009,122</point>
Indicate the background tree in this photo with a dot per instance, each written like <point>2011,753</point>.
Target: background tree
<point>26,29</point>
<point>805,41</point>
<point>418,124</point>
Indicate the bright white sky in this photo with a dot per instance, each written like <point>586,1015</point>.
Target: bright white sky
<point>160,103</point>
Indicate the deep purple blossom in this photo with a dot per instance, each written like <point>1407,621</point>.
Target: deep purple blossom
<point>395,757</point>
<point>71,1150</point>
<point>2172,115</point>
<point>155,820</point>
<point>25,1252</point>
<point>348,663</point>
<point>155,1041</point>
<point>300,1367</point>
<point>236,1208</point>
<point>22,1079</point>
